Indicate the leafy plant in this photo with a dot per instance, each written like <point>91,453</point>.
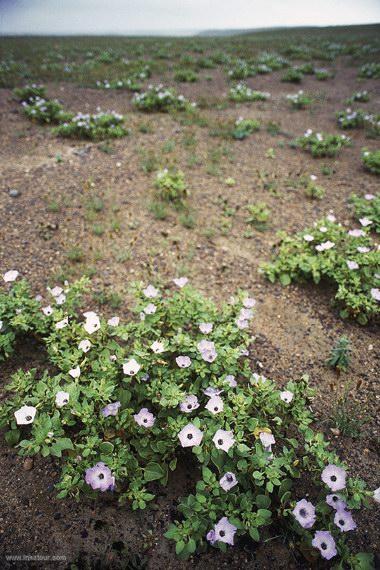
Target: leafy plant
<point>292,75</point>
<point>259,215</point>
<point>244,127</point>
<point>99,126</point>
<point>327,251</point>
<point>370,70</point>
<point>185,76</point>
<point>241,93</point>
<point>340,355</point>
<point>322,144</point>
<point>322,74</point>
<point>127,400</point>
<point>358,97</point>
<point>30,92</point>
<point>371,160</point>
<point>299,100</point>
<point>45,111</point>
<point>171,185</point>
<point>158,98</point>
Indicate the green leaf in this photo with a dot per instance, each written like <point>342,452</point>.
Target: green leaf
<point>254,534</point>
<point>154,471</point>
<point>12,437</point>
<point>106,447</point>
<point>285,279</point>
<point>262,501</point>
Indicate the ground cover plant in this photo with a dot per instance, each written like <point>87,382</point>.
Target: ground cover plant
<point>126,400</point>
<point>328,251</point>
<point>130,83</point>
<point>367,210</point>
<point>322,144</point>
<point>299,100</point>
<point>97,126</point>
<point>371,160</point>
<point>158,98</point>
<point>241,93</point>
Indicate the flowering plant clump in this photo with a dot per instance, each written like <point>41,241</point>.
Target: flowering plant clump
<point>241,70</point>
<point>171,185</point>
<point>30,92</point>
<point>371,160</point>
<point>323,74</point>
<point>367,210</point>
<point>358,97</point>
<point>322,144</point>
<point>185,76</point>
<point>244,127</point>
<point>372,124</point>
<point>158,98</point>
<point>313,190</point>
<point>350,119</point>
<point>98,126</point>
<point>45,110</point>
<point>272,60</point>
<point>241,93</point>
<point>292,75</point>
<point>370,70</point>
<point>299,100</point>
<point>327,251</point>
<point>127,401</point>
<point>129,83</point>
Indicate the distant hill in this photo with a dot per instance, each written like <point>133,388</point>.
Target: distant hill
<point>236,32</point>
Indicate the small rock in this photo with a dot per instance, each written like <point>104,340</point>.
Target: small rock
<point>28,464</point>
<point>13,193</point>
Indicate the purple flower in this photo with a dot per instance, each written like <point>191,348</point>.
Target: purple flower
<point>100,477</point>
<point>190,435</point>
<point>189,404</point>
<point>210,392</point>
<point>228,481</point>
<point>210,536</point>
<point>207,350</point>
<point>335,501</point>
<point>183,361</point>
<point>334,477</point>
<point>230,380</point>
<point>206,328</point>
<point>343,520</point>
<point>369,196</point>
<point>241,323</point>
<point>304,513</point>
<point>249,302</point>
<point>111,409</point>
<point>215,405</point>
<point>245,314</point>
<point>223,439</point>
<point>144,418</point>
<point>225,531</point>
<point>325,544</point>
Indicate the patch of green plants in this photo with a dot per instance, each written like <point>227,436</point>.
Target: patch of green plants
<point>123,402</point>
<point>241,93</point>
<point>184,75</point>
<point>322,144</point>
<point>370,70</point>
<point>349,119</point>
<point>328,252</point>
<point>171,186</point>
<point>299,100</point>
<point>313,190</point>
<point>244,127</point>
<point>371,160</point>
<point>358,97</point>
<point>340,355</point>
<point>367,210</point>
<point>258,215</point>
<point>29,93</point>
<point>161,99</point>
<point>323,74</point>
<point>45,111</point>
<point>95,127</point>
<point>292,75</point>
<point>347,416</point>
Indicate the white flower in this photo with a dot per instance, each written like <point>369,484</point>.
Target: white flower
<point>308,237</point>
<point>25,415</point>
<point>60,299</point>
<point>313,177</point>
<point>352,265</point>
<point>157,347</point>
<point>62,324</point>
<point>56,291</point>
<point>215,405</point>
<point>75,372</point>
<point>62,398</point>
<point>230,380</point>
<point>181,281</point>
<point>286,396</point>
<point>131,367</point>
<point>206,328</point>
<point>189,404</point>
<point>10,276</point>
<point>223,439</point>
<point>1,325</point>
<point>267,440</point>
<point>249,302</point>
<point>365,222</point>
<point>190,436</point>
<point>84,345</point>
<point>150,292</point>
<point>376,495</point>
<point>113,322</point>
<point>375,293</point>
<point>183,361</point>
<point>92,323</point>
<point>150,309</point>
<point>325,246</point>
<point>228,481</point>
<point>47,310</point>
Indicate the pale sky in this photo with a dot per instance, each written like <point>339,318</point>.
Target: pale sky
<point>129,16</point>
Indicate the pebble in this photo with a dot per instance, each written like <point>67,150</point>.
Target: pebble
<point>13,193</point>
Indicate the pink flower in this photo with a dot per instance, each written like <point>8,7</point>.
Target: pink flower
<point>144,418</point>
<point>369,196</point>
<point>190,436</point>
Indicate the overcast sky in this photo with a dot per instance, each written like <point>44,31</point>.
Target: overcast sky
<point>128,16</point>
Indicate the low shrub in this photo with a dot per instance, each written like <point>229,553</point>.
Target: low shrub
<point>244,127</point>
<point>97,127</point>
<point>367,210</point>
<point>30,92</point>
<point>292,75</point>
<point>348,259</point>
<point>161,99</point>
<point>299,100</point>
<point>371,160</point>
<point>370,70</point>
<point>45,111</point>
<point>322,144</point>
<point>241,93</point>
<point>171,185</point>
<point>185,76</point>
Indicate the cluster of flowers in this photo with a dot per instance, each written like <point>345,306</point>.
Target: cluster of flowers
<point>370,70</point>
<point>367,209</point>
<point>322,144</point>
<point>353,119</point>
<point>93,126</point>
<point>358,97</point>
<point>38,107</point>
<point>129,398</point>
<point>241,93</point>
<point>299,100</point>
<point>349,259</point>
<point>159,98</point>
<point>130,83</point>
